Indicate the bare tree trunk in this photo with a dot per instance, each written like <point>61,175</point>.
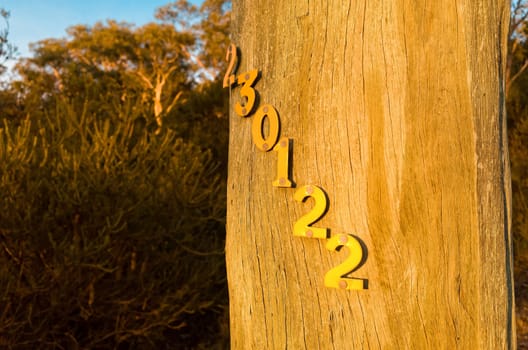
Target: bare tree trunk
<point>396,110</point>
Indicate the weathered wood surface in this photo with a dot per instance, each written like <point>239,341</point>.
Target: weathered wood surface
<point>396,109</point>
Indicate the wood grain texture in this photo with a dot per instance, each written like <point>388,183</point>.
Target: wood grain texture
<point>396,110</point>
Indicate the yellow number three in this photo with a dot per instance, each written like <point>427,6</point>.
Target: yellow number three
<point>247,92</point>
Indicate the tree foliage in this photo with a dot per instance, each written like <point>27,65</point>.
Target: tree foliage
<point>210,25</point>
<point>108,234</point>
<point>517,104</point>
<point>116,63</point>
<point>112,188</point>
<point>7,49</point>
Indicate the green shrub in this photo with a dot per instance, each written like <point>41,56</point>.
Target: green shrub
<point>110,236</point>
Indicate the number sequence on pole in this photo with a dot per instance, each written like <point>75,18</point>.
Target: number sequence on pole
<point>337,277</point>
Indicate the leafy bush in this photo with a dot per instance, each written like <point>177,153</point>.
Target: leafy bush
<point>110,236</point>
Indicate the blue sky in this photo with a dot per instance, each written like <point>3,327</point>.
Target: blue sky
<point>33,20</point>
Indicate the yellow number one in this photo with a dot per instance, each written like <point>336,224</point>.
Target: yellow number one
<point>283,163</point>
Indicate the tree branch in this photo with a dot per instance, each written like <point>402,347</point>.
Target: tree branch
<point>145,79</point>
<point>197,60</point>
<point>518,74</point>
<point>174,101</point>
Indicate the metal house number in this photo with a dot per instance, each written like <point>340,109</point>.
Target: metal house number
<point>337,277</point>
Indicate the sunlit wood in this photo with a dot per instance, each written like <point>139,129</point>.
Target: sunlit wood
<point>396,109</point>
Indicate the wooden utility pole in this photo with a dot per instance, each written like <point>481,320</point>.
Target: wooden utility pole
<point>395,110</point>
